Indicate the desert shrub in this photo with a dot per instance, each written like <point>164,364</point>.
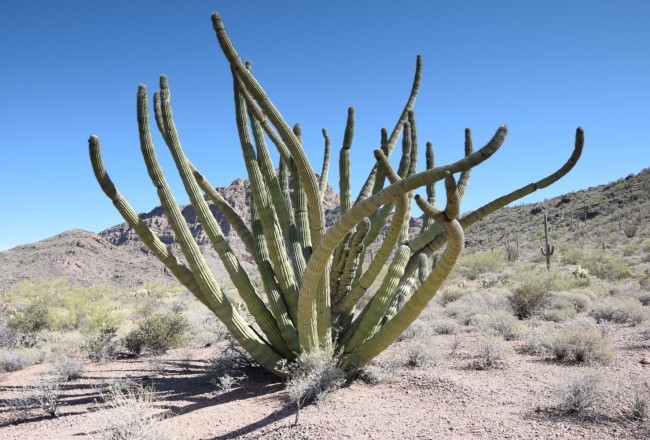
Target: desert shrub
<point>475,304</point>
<point>420,354</point>
<point>417,329</point>
<point>643,296</point>
<point>42,394</point>
<point>232,362</point>
<point>132,414</point>
<point>34,317</point>
<point>527,299</point>
<point>444,326</point>
<point>157,334</point>
<point>474,265</point>
<point>67,367</point>
<point>572,256</point>
<point>559,308</point>
<point>583,394</point>
<point>605,265</point>
<point>580,341</point>
<point>313,377</point>
<point>644,281</point>
<point>491,352</point>
<point>17,359</point>
<point>498,322</point>
<point>537,339</point>
<point>10,335</point>
<point>449,296</point>
<point>621,310</point>
<point>104,346</point>
<point>206,330</point>
<point>377,373</point>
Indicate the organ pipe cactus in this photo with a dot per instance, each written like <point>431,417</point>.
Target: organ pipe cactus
<point>313,278</point>
<point>547,248</point>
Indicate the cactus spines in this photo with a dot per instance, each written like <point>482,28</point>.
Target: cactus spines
<point>313,278</point>
<point>547,249</point>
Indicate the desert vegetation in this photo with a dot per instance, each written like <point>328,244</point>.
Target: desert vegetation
<point>339,316</point>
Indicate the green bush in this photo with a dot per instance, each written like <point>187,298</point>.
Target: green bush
<point>474,265</point>
<point>103,346</point>
<point>34,317</point>
<point>157,334</point>
<point>530,294</point>
<point>602,264</point>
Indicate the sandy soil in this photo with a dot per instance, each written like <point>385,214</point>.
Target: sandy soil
<point>450,401</point>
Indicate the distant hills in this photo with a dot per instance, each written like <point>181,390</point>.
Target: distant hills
<point>117,258</point>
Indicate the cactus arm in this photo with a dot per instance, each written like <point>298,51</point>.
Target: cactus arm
<point>283,178</point>
<point>465,175</point>
<point>224,207</point>
<point>366,189</point>
<point>431,189</point>
<point>379,219</point>
<point>307,175</point>
<point>344,163</point>
<point>391,141</point>
<point>406,169</point>
<point>273,292</point>
<point>351,262</point>
<point>281,264</point>
<point>414,143</point>
<point>418,301</point>
<point>253,109</point>
<point>391,239</point>
<point>322,254</point>
<point>231,215</point>
<point>370,318</point>
<point>268,171</point>
<point>301,209</point>
<point>338,261</point>
<point>238,275</point>
<point>322,184</point>
<point>221,305</point>
<point>434,238</point>
<point>176,267</point>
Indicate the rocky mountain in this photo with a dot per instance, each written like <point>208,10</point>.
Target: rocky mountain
<point>116,257</point>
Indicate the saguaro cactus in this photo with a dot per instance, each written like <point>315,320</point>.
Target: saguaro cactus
<point>313,278</point>
<point>547,248</point>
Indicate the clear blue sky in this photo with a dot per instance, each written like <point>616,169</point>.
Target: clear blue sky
<point>71,69</point>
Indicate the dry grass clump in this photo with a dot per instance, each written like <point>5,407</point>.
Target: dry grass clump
<point>42,394</point>
<point>620,310</point>
<point>498,322</point>
<point>580,341</point>
<point>229,368</point>
<point>132,413</point>
<point>420,354</point>
<point>633,399</point>
<point>583,394</point>
<point>67,367</point>
<point>471,304</point>
<point>491,352</point>
<point>449,296</point>
<point>313,378</point>
<point>17,359</point>
<point>444,326</point>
